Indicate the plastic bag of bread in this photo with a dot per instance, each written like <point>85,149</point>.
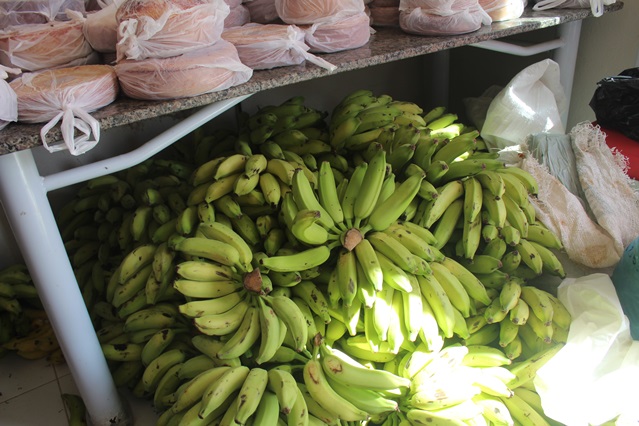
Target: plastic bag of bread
<point>20,12</point>
<point>101,28</point>
<point>441,17</point>
<point>384,16</point>
<point>314,11</point>
<point>38,46</point>
<point>164,28</point>
<point>503,10</point>
<point>233,3</point>
<point>8,98</point>
<point>338,34</point>
<point>67,95</point>
<point>266,46</point>
<point>200,71</point>
<point>238,16</point>
<point>262,11</point>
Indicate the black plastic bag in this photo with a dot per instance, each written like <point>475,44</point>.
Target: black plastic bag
<point>616,103</point>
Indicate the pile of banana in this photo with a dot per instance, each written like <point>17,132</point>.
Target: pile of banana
<point>371,265</point>
<point>24,326</point>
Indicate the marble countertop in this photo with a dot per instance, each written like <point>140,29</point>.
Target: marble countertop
<point>386,45</point>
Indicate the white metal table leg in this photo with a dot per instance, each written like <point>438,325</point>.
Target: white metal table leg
<point>27,208</point>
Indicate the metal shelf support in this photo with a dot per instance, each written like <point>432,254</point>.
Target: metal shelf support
<point>23,195</point>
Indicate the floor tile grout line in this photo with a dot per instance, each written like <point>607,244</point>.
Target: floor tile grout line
<point>30,390</point>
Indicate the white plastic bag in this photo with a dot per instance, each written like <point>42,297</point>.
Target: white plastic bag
<point>338,34</point>
<point>175,32</point>
<point>266,46</point>
<point>594,377</point>
<point>532,102</point>
<point>303,12</point>
<point>8,99</point>
<point>18,12</point>
<point>436,17</point>
<point>596,6</point>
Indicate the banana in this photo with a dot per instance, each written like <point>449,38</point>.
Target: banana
<point>327,193</point>
<point>493,409</point>
<point>196,270</point>
<point>217,189</point>
<point>367,259</point>
<point>370,189</point>
<point>530,256</point>
<point>270,188</point>
<point>394,276</point>
<point>515,189</point>
<point>522,412</point>
<point>224,323</point>
<point>128,289</point>
<point>216,306</point>
<point>231,165</point>
<point>299,414</point>
<point>307,291</point>
<point>250,394</point>
<point>456,147</point>
<point>561,316</point>
<point>387,212</point>
<point>474,287</point>
<point>495,208</point>
<point>448,193</point>
<point>300,261</point>
<point>268,409</point>
<point>270,330</point>
<point>293,318</point>
<point>515,216</point>
<point>340,367</point>
<point>484,336</point>
<point>543,331</point>
<point>283,385</point>
<point>520,312</point>
<point>439,302</point>
<point>214,250</point>
<point>228,383</point>
<point>339,133</point>
<point>472,199</point>
<point>346,268</point>
<point>320,390</point>
<point>454,289</point>
<point>369,401</point>
<point>307,229</point>
<point>485,356</point>
<point>149,318</point>
<point>158,342</point>
<point>282,169</point>
<point>492,182</point>
<point>528,180</point>
<point>159,366</point>
<point>540,234</point>
<point>393,250</point>
<point>445,226</point>
<point>137,259</point>
<point>509,294</point>
<point>550,263</point>
<point>527,369</point>
<point>416,244</point>
<point>508,332</point>
<point>413,310</point>
<point>219,232</point>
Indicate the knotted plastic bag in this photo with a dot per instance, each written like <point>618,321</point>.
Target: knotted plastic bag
<point>339,33</point>
<point>174,32</point>
<point>66,95</point>
<point>436,17</point>
<point>596,6</point>
<point>37,12</point>
<point>532,102</point>
<point>8,99</point>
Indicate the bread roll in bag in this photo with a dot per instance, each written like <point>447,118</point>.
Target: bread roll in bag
<point>263,11</point>
<point>503,10</point>
<point>164,28</point>
<point>238,16</point>
<point>266,46</point>
<point>313,11</point>
<point>340,33</point>
<point>205,70</point>
<point>436,17</point>
<point>67,94</point>
<point>39,46</point>
<point>101,28</point>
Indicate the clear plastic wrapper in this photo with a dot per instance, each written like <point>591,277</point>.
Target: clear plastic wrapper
<point>20,12</point>
<point>437,17</point>
<point>266,46</point>
<point>162,28</point>
<point>238,16</point>
<point>503,10</point>
<point>39,46</point>
<point>205,70</point>
<point>67,95</point>
<point>262,11</point>
<point>596,6</point>
<point>8,98</point>
<point>341,33</point>
<point>302,12</point>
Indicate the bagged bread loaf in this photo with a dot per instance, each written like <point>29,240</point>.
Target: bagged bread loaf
<point>101,28</point>
<point>314,11</point>
<point>238,15</point>
<point>266,46</point>
<point>39,46</point>
<point>262,11</point>
<point>164,28</point>
<point>20,12</point>
<point>8,98</point>
<point>503,10</point>
<point>67,94</point>
<point>337,34</point>
<point>200,71</point>
<point>441,17</point>
<point>383,3</point>
<point>233,3</point>
<point>384,16</point>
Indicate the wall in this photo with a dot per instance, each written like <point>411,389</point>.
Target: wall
<point>608,45</point>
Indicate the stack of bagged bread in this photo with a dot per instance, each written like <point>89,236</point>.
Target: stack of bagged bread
<point>330,25</point>
<point>170,49</point>
<point>384,13</point>
<point>441,18</point>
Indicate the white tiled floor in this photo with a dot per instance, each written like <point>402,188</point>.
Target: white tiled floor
<point>30,394</point>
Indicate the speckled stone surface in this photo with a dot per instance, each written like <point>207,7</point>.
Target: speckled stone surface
<point>386,45</point>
